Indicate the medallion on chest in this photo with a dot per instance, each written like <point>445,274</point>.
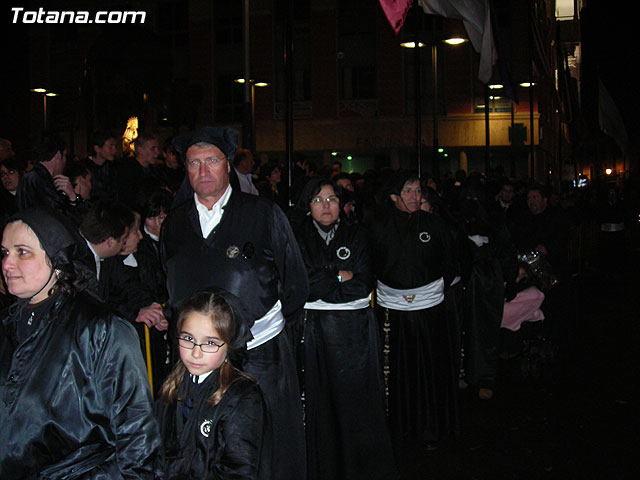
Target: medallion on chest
<point>343,253</point>
<point>205,428</point>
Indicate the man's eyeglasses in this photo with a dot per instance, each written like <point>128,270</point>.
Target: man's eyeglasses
<point>187,342</point>
<point>194,163</point>
<point>329,200</point>
<point>7,173</point>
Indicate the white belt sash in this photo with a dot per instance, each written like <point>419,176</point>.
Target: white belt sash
<point>411,299</point>
<point>352,305</point>
<point>611,227</point>
<point>267,327</point>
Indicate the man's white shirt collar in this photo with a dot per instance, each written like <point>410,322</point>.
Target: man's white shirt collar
<point>209,219</point>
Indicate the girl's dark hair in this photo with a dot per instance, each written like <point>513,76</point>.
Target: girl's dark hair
<point>216,307</point>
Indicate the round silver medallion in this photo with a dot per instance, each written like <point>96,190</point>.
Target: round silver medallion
<point>343,253</point>
<point>233,251</point>
<point>424,237</point>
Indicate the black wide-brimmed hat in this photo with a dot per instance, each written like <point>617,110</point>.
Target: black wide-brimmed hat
<point>226,139</point>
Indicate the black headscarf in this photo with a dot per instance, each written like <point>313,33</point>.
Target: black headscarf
<point>58,236</point>
<point>64,246</point>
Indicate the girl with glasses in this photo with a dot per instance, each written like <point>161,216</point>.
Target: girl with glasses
<point>212,416</point>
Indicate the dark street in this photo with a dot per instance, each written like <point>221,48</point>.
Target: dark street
<point>577,419</point>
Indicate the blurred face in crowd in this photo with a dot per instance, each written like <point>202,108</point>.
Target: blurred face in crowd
<point>409,198</point>
<point>325,206</point>
<point>536,202</point>
<point>25,266</point>
<point>57,163</point>
<point>208,172</point>
<point>346,184</point>
<point>274,178</point>
<point>506,193</point>
<point>147,153</point>
<point>154,224</point>
<point>171,158</point>
<point>6,150</point>
<point>106,152</point>
<point>10,178</point>
<point>133,237</point>
<point>83,186</point>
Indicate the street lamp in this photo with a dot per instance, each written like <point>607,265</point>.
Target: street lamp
<point>45,93</point>
<point>249,123</point>
<point>418,94</point>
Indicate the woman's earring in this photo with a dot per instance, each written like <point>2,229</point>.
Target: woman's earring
<point>58,273</point>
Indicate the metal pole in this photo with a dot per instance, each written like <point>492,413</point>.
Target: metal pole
<point>289,87</point>
<point>247,110</point>
<point>487,132</point>
<point>530,40</point>
<point>418,103</point>
<point>436,140</point>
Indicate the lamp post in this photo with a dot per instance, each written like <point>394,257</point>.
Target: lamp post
<point>416,44</point>
<point>249,124</point>
<point>45,93</point>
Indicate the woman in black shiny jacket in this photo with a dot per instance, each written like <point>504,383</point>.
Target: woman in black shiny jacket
<point>75,398</point>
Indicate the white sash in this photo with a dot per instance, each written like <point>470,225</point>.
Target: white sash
<point>411,299</point>
<point>352,305</point>
<point>267,327</point>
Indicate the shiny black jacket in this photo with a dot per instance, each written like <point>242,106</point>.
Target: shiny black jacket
<point>75,401</point>
<point>230,440</point>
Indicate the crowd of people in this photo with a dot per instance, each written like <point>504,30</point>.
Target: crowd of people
<point>181,312</point>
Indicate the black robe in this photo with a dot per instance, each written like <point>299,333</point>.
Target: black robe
<point>409,251</point>
<point>492,264</point>
<point>253,254</point>
<point>75,398</point>
<point>230,440</point>
<point>346,426</point>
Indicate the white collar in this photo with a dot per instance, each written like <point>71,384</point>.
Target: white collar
<point>221,203</point>
<point>200,378</point>
<point>153,237</point>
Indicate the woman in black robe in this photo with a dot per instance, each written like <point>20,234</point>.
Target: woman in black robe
<point>414,263</point>
<point>346,427</point>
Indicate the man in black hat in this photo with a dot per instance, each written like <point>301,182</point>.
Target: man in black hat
<point>242,243</point>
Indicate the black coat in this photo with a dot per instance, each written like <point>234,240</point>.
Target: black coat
<point>75,398</point>
<point>251,253</point>
<point>228,441</point>
<point>36,189</point>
